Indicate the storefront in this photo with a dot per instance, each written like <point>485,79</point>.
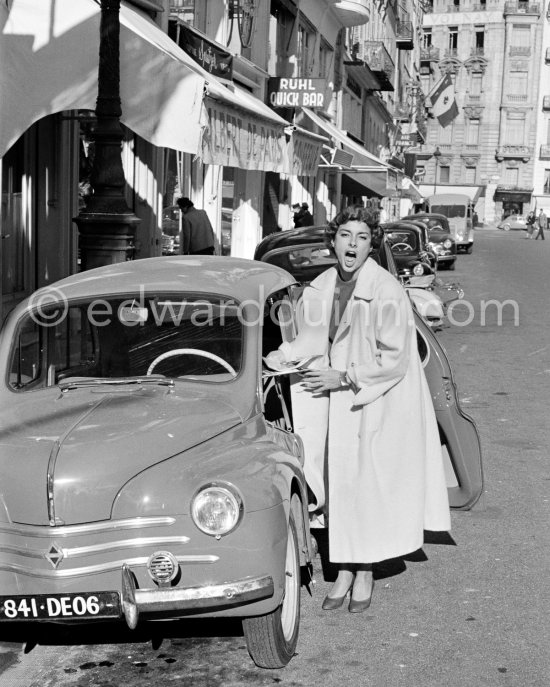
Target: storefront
<point>511,201</point>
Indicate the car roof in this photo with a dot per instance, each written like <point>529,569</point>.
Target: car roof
<point>282,239</point>
<point>429,215</point>
<point>237,278</point>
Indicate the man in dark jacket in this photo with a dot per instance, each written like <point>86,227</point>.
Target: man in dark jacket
<point>197,233</point>
<point>302,215</point>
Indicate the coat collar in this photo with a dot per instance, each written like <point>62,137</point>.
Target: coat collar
<point>364,288</point>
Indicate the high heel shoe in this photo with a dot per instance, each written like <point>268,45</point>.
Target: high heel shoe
<point>360,606</point>
<point>331,603</point>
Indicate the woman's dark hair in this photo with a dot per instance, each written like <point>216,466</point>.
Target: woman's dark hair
<point>358,213</point>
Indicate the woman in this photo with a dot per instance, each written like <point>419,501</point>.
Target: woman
<point>385,471</point>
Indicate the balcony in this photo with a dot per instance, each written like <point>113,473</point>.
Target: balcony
<point>352,12</point>
<point>477,51</point>
<point>451,52</point>
<point>516,152</point>
<point>544,152</point>
<point>404,35</point>
<point>520,7</point>
<point>479,7</point>
<point>473,99</point>
<point>379,62</point>
<point>430,54</point>
<point>546,103</point>
<point>520,50</point>
<point>516,98</point>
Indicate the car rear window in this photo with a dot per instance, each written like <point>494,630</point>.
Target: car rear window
<point>178,336</point>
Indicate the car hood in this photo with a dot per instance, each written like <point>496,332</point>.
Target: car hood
<point>90,442</point>
<point>438,236</point>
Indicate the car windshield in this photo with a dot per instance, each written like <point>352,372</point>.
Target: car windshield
<point>187,335</point>
<point>402,241</point>
<point>450,211</point>
<point>435,224</point>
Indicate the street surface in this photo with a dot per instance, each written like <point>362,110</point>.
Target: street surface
<point>469,609</point>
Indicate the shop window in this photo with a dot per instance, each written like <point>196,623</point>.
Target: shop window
<point>444,174</point>
<point>546,185</point>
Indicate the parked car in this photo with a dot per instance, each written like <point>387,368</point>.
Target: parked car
<point>409,243</point>
<point>148,469</point>
<point>513,222</point>
<point>170,230</point>
<point>440,238</point>
<point>303,252</point>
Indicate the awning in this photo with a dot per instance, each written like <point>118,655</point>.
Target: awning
<point>304,151</point>
<point>49,56</point>
<point>410,190</point>
<point>473,191</point>
<point>380,184</point>
<point>512,195</point>
<point>361,156</point>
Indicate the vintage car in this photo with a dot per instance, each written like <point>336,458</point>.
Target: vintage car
<point>513,222</point>
<point>148,465</point>
<point>409,244</point>
<point>441,240</point>
<point>304,253</point>
<point>170,230</point>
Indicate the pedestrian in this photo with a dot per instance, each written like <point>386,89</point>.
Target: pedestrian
<point>542,221</point>
<point>530,223</point>
<point>307,217</point>
<point>302,216</point>
<point>372,407</point>
<point>197,233</point>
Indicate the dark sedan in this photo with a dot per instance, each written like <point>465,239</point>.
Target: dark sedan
<point>303,253</point>
<point>411,252</point>
<point>440,238</point>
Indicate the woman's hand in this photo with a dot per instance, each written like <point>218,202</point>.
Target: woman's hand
<point>323,380</point>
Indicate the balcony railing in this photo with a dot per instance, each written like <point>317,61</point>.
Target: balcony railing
<point>520,50</point>
<point>451,52</point>
<point>524,153</point>
<point>479,7</point>
<point>380,63</point>
<point>516,97</point>
<point>546,103</point>
<point>520,7</point>
<point>404,35</point>
<point>473,98</point>
<point>544,152</point>
<point>477,51</point>
<point>429,54</point>
<point>453,8</point>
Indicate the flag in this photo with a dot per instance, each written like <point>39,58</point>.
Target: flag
<point>443,101</point>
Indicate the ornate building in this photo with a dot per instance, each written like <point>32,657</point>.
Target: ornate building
<point>492,50</point>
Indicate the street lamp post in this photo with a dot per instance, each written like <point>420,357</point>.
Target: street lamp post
<point>107,226</point>
<point>436,154</point>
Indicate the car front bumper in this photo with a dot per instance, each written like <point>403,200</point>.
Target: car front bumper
<point>178,600</point>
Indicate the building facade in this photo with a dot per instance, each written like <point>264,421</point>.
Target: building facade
<point>492,51</point>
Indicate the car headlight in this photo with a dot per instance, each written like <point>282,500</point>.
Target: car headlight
<point>418,270</point>
<point>216,509</point>
<point>447,243</point>
<point>436,247</point>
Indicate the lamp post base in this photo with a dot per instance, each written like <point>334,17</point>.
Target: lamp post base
<point>105,238</point>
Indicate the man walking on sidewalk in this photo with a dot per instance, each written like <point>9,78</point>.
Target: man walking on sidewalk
<point>197,233</point>
<point>543,224</point>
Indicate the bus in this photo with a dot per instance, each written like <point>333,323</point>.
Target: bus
<point>459,210</point>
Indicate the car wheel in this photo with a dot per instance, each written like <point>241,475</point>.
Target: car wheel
<point>506,227</point>
<point>271,639</point>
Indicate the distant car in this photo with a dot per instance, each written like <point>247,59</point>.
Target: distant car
<point>303,252</point>
<point>440,238</point>
<point>513,222</point>
<point>149,467</point>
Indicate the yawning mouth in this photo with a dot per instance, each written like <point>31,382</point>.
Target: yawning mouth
<point>349,257</point>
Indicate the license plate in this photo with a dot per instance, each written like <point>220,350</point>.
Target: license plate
<point>57,606</point>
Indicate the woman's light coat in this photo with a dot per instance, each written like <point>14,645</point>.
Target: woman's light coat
<point>386,483</point>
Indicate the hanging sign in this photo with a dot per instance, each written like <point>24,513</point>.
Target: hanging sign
<point>297,92</point>
<point>210,57</point>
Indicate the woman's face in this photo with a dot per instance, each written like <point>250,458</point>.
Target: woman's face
<point>352,246</point>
